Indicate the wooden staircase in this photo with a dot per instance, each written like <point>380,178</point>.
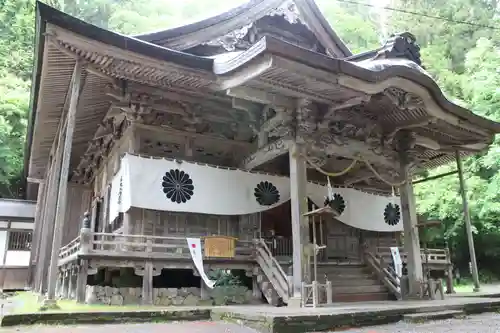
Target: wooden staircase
<point>272,280</point>
<point>353,282</point>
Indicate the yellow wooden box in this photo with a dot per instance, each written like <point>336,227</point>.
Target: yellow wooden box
<point>219,246</point>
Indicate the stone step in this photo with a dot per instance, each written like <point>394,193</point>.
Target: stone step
<point>343,270</point>
<point>345,275</point>
<point>361,297</point>
<point>352,282</point>
<point>436,315</point>
<point>377,288</point>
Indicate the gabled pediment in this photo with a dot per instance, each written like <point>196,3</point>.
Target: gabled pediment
<point>298,22</point>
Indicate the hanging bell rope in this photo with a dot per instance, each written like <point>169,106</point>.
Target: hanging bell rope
<point>346,170</point>
<point>382,178</point>
<point>330,174</point>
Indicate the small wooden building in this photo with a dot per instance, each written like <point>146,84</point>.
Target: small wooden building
<point>228,127</point>
<point>17,219</point>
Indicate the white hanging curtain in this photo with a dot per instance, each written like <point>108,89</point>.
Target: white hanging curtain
<point>179,186</point>
<point>359,209</point>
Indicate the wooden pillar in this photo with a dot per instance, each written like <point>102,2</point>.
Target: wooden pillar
<point>256,293</point>
<point>36,234</point>
<point>71,283</point>
<point>468,225</point>
<point>65,284</point>
<point>4,259</point>
<point>263,137</point>
<point>85,248</point>
<point>59,284</point>
<point>134,143</point>
<point>204,292</point>
<point>81,281</point>
<point>147,284</point>
<point>300,227</point>
<point>63,183</point>
<point>48,218</point>
<point>411,237</point>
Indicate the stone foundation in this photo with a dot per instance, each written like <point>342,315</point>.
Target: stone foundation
<point>168,296</point>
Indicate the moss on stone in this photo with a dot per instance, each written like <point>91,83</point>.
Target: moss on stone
<point>105,317</point>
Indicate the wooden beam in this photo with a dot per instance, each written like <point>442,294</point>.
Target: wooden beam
<point>358,178</point>
<point>243,105</point>
<point>262,97</point>
<point>266,154</point>
<point>344,105</point>
<point>178,94</point>
<point>167,131</point>
<point>435,177</point>
<point>282,116</point>
<point>354,149</point>
<point>89,45</point>
<point>249,72</point>
<point>206,99</point>
<point>35,180</point>
<point>431,106</point>
<point>63,182</point>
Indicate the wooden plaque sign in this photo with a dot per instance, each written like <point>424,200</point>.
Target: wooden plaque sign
<point>220,246</point>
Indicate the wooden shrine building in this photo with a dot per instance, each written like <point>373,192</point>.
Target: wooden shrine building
<point>16,232</point>
<point>226,129</point>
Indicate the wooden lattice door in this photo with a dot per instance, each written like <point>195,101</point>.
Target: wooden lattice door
<point>342,241</point>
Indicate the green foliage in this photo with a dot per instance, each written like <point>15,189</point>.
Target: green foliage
<point>463,58</point>
<point>224,278</point>
<point>13,121</point>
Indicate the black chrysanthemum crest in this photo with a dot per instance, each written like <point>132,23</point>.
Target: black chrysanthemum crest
<point>266,194</point>
<point>392,214</point>
<point>337,203</point>
<point>177,186</point>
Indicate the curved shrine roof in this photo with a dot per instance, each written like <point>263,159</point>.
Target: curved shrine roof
<point>203,31</point>
<point>269,64</point>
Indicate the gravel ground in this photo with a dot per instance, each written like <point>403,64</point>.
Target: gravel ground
<point>484,323</point>
<point>186,327</point>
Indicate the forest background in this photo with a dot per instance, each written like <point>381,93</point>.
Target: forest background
<point>460,48</point>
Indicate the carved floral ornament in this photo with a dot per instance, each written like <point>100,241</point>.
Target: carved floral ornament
<point>403,99</point>
<point>289,11</point>
<point>231,39</point>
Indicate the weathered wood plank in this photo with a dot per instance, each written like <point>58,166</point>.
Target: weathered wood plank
<point>63,181</point>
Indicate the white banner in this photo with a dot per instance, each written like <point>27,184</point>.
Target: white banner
<point>116,197</point>
<point>360,209</point>
<point>180,186</point>
<point>194,245</point>
<point>396,259</point>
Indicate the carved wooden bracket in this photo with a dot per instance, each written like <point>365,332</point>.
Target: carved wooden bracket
<point>265,154</point>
